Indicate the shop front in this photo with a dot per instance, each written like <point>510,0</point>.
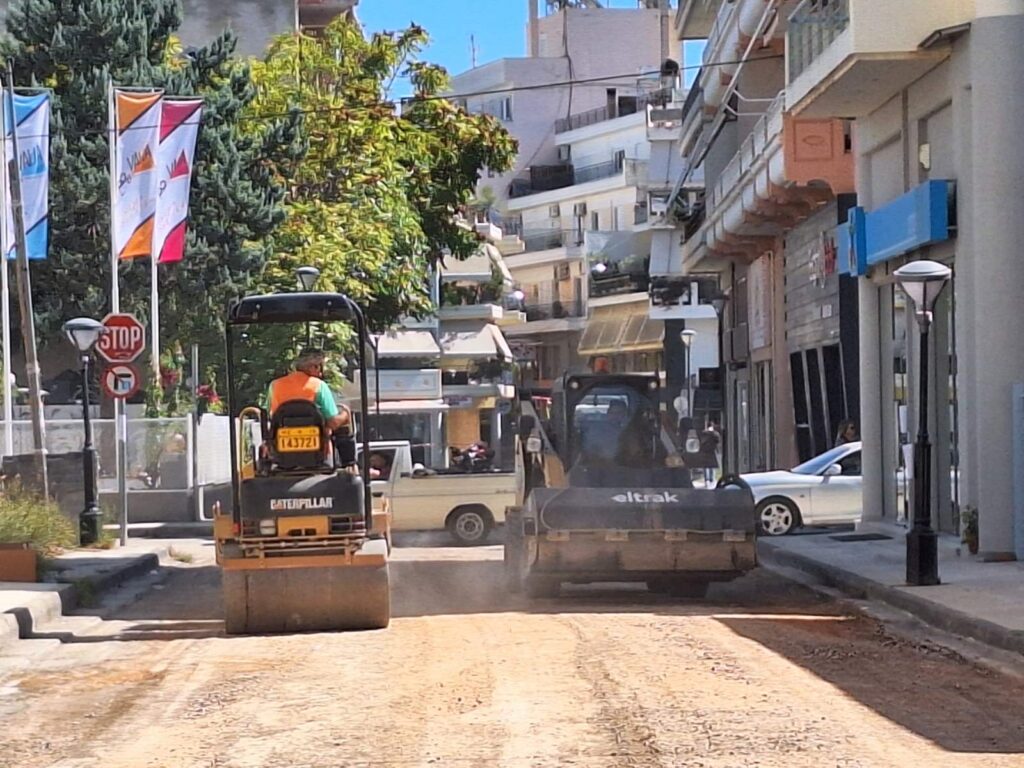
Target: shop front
<point>873,245</point>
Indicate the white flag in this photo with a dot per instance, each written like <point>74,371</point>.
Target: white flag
<point>179,129</point>
<point>137,135</point>
<point>32,113</point>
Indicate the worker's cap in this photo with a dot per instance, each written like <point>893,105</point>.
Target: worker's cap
<point>307,358</point>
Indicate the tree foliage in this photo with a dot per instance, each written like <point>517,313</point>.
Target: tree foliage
<point>73,47</point>
<point>373,202</point>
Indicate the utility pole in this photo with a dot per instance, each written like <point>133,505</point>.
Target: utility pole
<point>24,282</point>
<point>472,51</point>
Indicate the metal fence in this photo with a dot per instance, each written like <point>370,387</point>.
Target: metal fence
<point>812,28</point>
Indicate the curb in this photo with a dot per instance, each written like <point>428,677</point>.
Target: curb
<point>22,621</point>
<point>856,586</point>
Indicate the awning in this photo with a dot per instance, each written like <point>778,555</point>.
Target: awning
<point>409,406</point>
<point>407,343</point>
<point>621,329</point>
<point>487,342</point>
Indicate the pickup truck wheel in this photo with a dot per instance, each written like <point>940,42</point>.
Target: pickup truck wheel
<point>470,526</point>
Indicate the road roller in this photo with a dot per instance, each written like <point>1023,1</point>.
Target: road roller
<point>300,548</point>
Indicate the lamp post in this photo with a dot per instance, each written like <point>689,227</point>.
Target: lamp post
<point>84,332</point>
<point>307,279</point>
<point>718,302</point>
<point>375,342</point>
<point>922,282</point>
<point>687,336</point>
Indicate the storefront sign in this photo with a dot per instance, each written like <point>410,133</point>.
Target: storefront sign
<point>759,296</point>
<point>922,216</point>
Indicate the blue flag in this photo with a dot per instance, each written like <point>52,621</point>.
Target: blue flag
<point>32,114</point>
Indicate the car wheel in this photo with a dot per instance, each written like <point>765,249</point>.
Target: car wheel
<point>777,516</point>
<point>470,525</point>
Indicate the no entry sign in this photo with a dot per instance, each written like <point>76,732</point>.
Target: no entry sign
<point>121,380</point>
<point>124,340</point>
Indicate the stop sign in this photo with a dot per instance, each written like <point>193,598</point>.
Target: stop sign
<point>124,340</point>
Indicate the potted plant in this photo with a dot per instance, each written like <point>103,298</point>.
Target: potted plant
<point>969,528</point>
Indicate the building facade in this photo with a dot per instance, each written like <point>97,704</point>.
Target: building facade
<point>858,136</point>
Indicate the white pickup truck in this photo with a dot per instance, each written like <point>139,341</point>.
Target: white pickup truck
<point>466,504</point>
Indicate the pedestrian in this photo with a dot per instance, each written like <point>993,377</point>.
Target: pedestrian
<point>847,432</point>
<point>710,440</point>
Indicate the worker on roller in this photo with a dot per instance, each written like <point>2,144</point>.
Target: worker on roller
<point>305,382</point>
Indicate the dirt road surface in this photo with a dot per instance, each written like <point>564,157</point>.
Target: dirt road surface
<point>763,673</point>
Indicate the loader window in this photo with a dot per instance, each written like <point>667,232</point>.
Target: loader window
<point>610,428</point>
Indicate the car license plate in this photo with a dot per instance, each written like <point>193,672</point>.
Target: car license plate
<point>298,439</point>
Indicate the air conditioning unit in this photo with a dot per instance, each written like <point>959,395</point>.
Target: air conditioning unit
<point>554,211</point>
<point>564,153</point>
<point>579,209</point>
<point>561,271</point>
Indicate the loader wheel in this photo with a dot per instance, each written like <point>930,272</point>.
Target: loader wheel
<point>470,526</point>
<point>691,590</point>
<point>539,587</point>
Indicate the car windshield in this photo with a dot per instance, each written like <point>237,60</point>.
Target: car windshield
<point>820,463</point>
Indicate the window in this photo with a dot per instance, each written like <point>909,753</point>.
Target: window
<point>506,109</point>
<point>851,465</point>
<point>595,221</point>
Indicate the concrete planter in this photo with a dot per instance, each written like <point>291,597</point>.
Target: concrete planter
<point>17,562</point>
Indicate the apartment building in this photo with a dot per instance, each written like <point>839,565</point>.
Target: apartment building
<point>755,206</point>
<point>912,107</point>
<point>576,187</point>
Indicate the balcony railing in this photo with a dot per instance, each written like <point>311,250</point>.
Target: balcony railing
<point>545,239</point>
<point>614,284</point>
<point>547,178</point>
<point>767,128</point>
<point>556,310</point>
<point>812,28</point>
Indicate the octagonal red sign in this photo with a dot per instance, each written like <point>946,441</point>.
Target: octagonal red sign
<point>124,340</point>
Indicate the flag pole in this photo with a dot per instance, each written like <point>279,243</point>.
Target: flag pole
<point>154,317</point>
<point>24,281</point>
<point>120,419</point>
<point>5,309</point>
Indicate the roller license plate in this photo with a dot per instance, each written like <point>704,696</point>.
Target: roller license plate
<point>298,439</point>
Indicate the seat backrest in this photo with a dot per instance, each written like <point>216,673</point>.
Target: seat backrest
<point>298,436</point>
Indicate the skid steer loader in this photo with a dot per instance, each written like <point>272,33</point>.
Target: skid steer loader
<point>301,547</point>
<point>608,498</point>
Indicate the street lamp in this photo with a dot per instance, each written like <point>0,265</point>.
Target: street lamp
<point>307,279</point>
<point>84,332</point>
<point>922,282</point>
<point>687,336</point>
<point>719,302</point>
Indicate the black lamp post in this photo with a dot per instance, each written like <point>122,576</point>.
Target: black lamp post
<point>718,302</point>
<point>922,282</point>
<point>84,332</point>
<point>686,336</point>
<point>307,279</point>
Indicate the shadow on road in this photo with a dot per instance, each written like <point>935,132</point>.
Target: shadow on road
<point>923,688</point>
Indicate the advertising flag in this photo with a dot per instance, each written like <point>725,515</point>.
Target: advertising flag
<point>136,137</point>
<point>32,117</point>
<point>179,128</point>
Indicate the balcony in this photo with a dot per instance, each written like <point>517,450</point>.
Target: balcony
<point>412,384</point>
<point>783,172</point>
<point>488,378</point>
<point>554,305</point>
<point>849,57</point>
<point>314,15</point>
<point>547,239</point>
<point>546,178</point>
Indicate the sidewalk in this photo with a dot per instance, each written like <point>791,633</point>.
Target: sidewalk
<point>984,601</point>
<point>78,577</point>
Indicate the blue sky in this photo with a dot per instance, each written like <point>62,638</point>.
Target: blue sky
<point>498,26</point>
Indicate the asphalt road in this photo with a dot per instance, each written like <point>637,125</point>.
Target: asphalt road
<point>762,673</point>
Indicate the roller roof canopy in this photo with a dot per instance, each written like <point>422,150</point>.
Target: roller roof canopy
<point>293,308</point>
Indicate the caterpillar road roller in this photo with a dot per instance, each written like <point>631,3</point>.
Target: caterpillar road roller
<point>608,497</point>
<point>300,548</point>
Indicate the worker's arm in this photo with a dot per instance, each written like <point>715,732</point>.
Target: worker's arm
<point>335,417</point>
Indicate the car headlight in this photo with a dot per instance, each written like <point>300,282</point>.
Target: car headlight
<point>268,527</point>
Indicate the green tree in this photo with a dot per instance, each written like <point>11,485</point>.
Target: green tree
<point>73,47</point>
<point>373,202</point>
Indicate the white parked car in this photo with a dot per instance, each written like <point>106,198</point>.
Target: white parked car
<point>823,491</point>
